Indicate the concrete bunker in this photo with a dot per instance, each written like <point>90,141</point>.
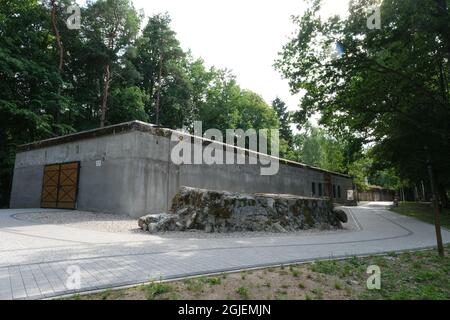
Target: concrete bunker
<point>126,168</point>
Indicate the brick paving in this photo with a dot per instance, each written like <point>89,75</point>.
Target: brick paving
<point>35,259</point>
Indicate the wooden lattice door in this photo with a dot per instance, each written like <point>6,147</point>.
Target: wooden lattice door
<point>60,185</point>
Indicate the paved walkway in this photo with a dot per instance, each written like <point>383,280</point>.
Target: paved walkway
<point>35,258</point>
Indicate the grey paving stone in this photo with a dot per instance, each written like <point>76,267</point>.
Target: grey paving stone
<point>34,258</point>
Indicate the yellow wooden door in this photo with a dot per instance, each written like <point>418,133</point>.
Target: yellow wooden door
<point>60,186</point>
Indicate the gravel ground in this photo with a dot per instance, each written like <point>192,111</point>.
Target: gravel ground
<point>124,224</point>
<point>197,234</point>
<point>84,220</point>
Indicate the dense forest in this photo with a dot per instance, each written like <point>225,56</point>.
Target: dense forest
<point>117,67</point>
<point>384,87</point>
<point>384,103</point>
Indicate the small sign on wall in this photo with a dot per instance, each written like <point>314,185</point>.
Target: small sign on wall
<point>98,163</point>
<point>350,195</point>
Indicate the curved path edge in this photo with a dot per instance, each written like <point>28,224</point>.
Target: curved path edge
<point>38,261</point>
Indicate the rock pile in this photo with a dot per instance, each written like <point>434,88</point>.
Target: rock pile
<point>221,211</point>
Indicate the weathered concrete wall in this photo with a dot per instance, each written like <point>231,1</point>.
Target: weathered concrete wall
<point>376,194</point>
<point>109,187</point>
<point>137,176</point>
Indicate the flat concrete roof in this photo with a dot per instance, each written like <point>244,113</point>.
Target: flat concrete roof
<point>152,129</point>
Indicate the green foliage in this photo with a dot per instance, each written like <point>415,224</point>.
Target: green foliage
<point>27,82</point>
<point>213,281</point>
<point>318,293</point>
<point>38,102</point>
<point>388,88</point>
<point>387,178</point>
<point>194,285</point>
<point>110,27</point>
<point>162,64</point>
<point>280,108</point>
<point>127,104</point>
<point>243,292</point>
<point>359,170</point>
<point>313,146</point>
<point>156,288</point>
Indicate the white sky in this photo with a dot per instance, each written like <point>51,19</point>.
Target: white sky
<point>241,35</point>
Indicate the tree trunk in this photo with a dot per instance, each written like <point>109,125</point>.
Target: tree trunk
<point>151,95</point>
<point>437,218</point>
<point>443,198</point>
<point>107,79</point>
<point>60,54</point>
<point>424,195</point>
<point>444,10</point>
<point>158,94</point>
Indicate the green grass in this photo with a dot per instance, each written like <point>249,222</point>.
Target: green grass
<point>404,276</point>
<point>407,276</point>
<point>423,212</point>
<point>338,285</point>
<point>281,295</point>
<point>243,292</point>
<point>155,289</point>
<point>318,293</point>
<point>213,281</point>
<point>194,285</point>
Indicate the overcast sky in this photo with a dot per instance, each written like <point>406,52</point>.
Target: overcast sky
<point>242,35</point>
